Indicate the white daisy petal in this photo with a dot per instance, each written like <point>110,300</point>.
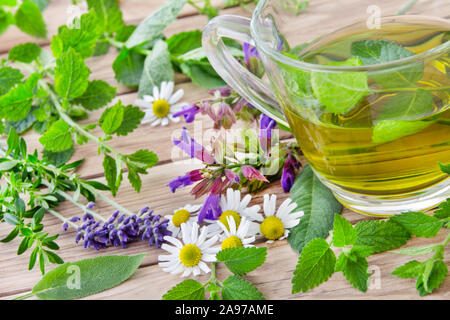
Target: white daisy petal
<point>169,91</point>
<point>156,93</point>
<point>165,122</point>
<point>177,243</point>
<point>170,249</point>
<point>176,96</point>
<point>204,267</point>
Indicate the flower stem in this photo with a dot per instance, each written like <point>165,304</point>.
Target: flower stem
<point>60,217</point>
<point>120,45</point>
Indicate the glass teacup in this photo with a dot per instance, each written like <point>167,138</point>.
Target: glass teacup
<point>368,103</point>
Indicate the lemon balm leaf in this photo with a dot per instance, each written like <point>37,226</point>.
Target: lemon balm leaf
<point>315,266</point>
<point>418,223</point>
<point>128,67</point>
<point>112,118</point>
<point>157,68</point>
<point>343,232</point>
<point>354,270</point>
<point>242,260</point>
<point>26,52</point>
<point>28,18</point>
<point>79,279</point>
<point>408,106</point>
<point>58,137</point>
<point>445,167</point>
<point>410,269</point>
<point>98,94</point>
<point>132,117</point>
<point>71,75</point>
<point>108,12</point>
<point>9,77</point>
<point>380,51</point>
<point>380,235</point>
<point>338,91</point>
<point>389,130</point>
<point>236,288</point>
<point>187,290</point>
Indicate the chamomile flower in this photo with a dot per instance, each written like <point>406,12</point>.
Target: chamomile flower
<point>191,254</point>
<point>236,236</point>
<point>160,107</point>
<point>233,206</point>
<point>277,223</point>
<point>180,216</point>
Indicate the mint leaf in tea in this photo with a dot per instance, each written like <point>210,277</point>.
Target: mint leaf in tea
<point>379,126</point>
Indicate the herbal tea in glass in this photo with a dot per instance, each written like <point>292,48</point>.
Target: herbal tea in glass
<point>375,131</point>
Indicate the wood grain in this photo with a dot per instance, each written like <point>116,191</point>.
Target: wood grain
<point>150,282</point>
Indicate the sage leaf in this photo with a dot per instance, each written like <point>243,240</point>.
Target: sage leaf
<point>29,19</point>
<point>319,206</point>
<point>381,51</point>
<point>339,92</point>
<point>157,68</point>
<point>315,266</point>
<point>187,290</point>
<point>151,28</point>
<point>74,280</point>
<point>236,288</point>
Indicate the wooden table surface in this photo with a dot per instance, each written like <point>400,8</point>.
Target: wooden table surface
<point>150,282</point>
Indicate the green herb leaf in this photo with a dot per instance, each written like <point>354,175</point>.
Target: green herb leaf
<point>201,75</point>
<point>112,118</point>
<point>187,290</point>
<point>112,173</point>
<point>133,177</point>
<point>151,28</point>
<point>381,51</point>
<point>184,42</point>
<point>60,157</point>
<point>128,67</point>
<point>157,68</point>
<point>58,137</point>
<point>29,19</point>
<point>9,77</point>
<point>82,40</point>
<point>242,260</point>
<point>6,19</point>
<point>236,288</point>
<point>86,277</point>
<point>71,75</point>
<point>8,3</point>
<point>343,232</point>
<point>143,159</point>
<point>431,279</point>
<point>16,104</point>
<point>22,125</point>
<point>339,92</point>
<point>407,106</point>
<point>319,206</point>
<point>97,95</point>
<point>26,52</point>
<point>411,269</point>
<point>416,251</point>
<point>108,12</point>
<point>354,270</point>
<point>132,117</point>
<point>418,223</point>
<point>380,235</point>
<point>445,167</point>
<point>315,266</point>
<point>389,130</point>
<point>444,210</point>
<point>42,4</point>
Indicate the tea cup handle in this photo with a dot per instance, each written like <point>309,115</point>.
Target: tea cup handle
<point>249,86</point>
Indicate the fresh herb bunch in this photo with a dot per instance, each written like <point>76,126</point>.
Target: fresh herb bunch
<point>45,185</point>
<point>26,15</point>
<point>57,92</point>
<point>318,261</point>
<point>239,261</point>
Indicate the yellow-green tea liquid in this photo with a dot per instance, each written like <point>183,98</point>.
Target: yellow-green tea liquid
<point>340,147</point>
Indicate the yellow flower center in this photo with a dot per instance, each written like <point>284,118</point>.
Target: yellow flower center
<point>231,242</point>
<point>161,108</point>
<point>181,216</point>
<point>272,228</point>
<point>190,255</point>
<point>230,213</point>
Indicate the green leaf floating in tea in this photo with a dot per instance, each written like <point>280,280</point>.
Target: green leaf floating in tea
<point>389,130</point>
<point>380,51</point>
<point>339,92</point>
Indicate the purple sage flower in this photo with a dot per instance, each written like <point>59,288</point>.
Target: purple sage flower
<point>211,208</point>
<point>188,112</point>
<point>186,180</point>
<point>289,172</point>
<point>252,60</point>
<point>266,125</point>
<point>192,148</point>
<point>251,173</point>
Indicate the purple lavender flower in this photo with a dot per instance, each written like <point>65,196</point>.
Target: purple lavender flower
<point>192,148</point>
<point>266,125</point>
<point>289,172</point>
<point>188,112</point>
<point>211,208</point>
<point>119,230</point>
